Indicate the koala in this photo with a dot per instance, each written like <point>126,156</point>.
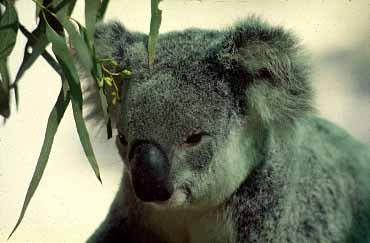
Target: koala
<point>221,142</point>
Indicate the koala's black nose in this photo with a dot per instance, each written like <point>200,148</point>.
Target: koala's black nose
<point>149,171</point>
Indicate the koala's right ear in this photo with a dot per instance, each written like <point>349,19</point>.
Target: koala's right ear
<point>118,49</point>
<point>267,71</point>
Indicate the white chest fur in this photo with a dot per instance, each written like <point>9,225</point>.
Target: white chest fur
<point>191,226</point>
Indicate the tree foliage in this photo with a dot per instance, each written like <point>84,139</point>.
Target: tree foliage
<point>58,28</point>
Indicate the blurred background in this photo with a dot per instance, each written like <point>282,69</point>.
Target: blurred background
<point>70,203</point>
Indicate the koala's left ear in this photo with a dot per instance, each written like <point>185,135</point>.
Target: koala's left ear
<point>267,71</point>
<point>118,49</point>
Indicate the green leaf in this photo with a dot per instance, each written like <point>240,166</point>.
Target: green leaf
<point>4,89</point>
<point>16,95</point>
<point>37,11</point>
<point>4,101</point>
<point>63,8</point>
<point>4,72</point>
<point>35,46</point>
<point>155,23</point>
<point>91,12</point>
<point>8,30</point>
<point>82,50</point>
<point>80,44</point>
<point>83,33</point>
<point>104,104</point>
<point>65,59</point>
<point>109,129</point>
<point>55,117</point>
<point>102,10</point>
<point>102,97</point>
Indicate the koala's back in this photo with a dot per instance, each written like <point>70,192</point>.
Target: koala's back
<point>331,202</point>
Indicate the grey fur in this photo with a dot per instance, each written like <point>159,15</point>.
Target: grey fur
<point>269,169</point>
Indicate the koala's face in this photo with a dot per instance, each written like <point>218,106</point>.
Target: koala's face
<point>174,129</point>
<point>190,129</point>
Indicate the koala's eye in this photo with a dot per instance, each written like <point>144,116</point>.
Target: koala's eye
<point>194,138</point>
<point>122,139</point>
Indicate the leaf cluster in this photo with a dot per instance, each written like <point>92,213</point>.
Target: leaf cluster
<point>58,28</point>
<point>55,27</point>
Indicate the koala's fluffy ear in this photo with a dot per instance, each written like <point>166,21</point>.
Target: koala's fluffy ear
<point>267,71</point>
<point>113,40</point>
<point>118,49</point>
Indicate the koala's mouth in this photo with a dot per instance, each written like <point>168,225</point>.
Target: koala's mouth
<point>180,198</point>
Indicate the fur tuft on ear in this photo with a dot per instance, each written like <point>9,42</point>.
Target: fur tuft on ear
<point>267,70</point>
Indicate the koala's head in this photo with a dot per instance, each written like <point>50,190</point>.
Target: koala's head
<point>191,129</point>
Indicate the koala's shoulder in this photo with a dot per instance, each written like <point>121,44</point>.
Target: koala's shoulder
<point>332,177</point>
<point>330,137</point>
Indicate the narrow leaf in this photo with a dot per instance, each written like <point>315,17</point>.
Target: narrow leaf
<point>8,30</point>
<point>4,101</point>
<point>16,95</point>
<point>4,72</point>
<point>65,59</point>
<point>63,8</point>
<point>103,99</point>
<point>4,89</point>
<point>104,104</point>
<point>91,12</point>
<point>95,71</point>
<point>102,10</point>
<point>109,129</point>
<point>79,45</point>
<point>155,23</point>
<point>35,46</point>
<point>53,122</point>
<point>37,11</point>
<point>83,33</point>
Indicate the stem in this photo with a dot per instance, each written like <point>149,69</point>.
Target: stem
<point>109,72</point>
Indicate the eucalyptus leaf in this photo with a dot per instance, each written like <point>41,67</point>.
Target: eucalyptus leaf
<point>65,59</point>
<point>109,129</point>
<point>35,46</point>
<point>83,33</point>
<point>54,119</point>
<point>91,12</point>
<point>63,8</point>
<point>82,50</point>
<point>37,11</point>
<point>16,95</point>
<point>155,23</point>
<point>104,104</point>
<point>4,101</point>
<point>4,86</point>
<point>96,71</point>
<point>103,99</point>
<point>4,72</point>
<point>8,30</point>
<point>102,10</point>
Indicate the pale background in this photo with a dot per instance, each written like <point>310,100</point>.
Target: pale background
<point>70,203</point>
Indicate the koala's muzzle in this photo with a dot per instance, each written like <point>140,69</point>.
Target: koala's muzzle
<point>149,171</point>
